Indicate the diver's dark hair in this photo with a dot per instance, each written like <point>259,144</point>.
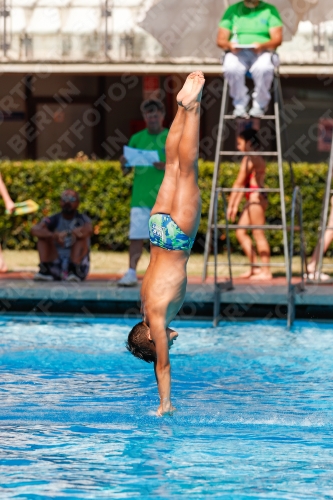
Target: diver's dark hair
<point>250,134</point>
<point>139,344</point>
<point>151,105</point>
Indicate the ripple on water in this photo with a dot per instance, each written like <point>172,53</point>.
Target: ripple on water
<point>253,420</point>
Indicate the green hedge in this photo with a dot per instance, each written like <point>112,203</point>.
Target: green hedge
<point>105,197</point>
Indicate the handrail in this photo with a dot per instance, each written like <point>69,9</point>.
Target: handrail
<point>217,285</point>
<point>296,199</point>
<point>216,226</point>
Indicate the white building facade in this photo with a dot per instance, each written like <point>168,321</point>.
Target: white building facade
<point>74,73</point>
<point>108,30</point>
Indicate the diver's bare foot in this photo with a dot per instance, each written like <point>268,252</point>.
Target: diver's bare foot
<point>261,277</point>
<point>186,88</point>
<point>193,97</point>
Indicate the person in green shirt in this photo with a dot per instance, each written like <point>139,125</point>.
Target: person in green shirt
<point>147,181</point>
<point>248,31</point>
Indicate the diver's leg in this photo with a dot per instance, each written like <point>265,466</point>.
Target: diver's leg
<point>168,187</point>
<point>165,194</point>
<point>186,206</point>
<point>167,190</point>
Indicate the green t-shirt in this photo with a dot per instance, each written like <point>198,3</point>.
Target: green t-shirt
<point>147,180</point>
<point>251,25</point>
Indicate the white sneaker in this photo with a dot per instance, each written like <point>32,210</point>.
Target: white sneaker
<point>129,279</point>
<point>257,112</point>
<point>43,277</point>
<point>240,112</point>
<point>73,278</point>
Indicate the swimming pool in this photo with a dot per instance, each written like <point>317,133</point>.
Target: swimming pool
<point>254,419</point>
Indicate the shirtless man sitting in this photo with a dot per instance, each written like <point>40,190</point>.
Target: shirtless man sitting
<point>173,225</point>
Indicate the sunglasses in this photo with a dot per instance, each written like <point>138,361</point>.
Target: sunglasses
<point>66,198</point>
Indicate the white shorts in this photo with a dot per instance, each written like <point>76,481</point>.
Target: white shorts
<point>139,223</point>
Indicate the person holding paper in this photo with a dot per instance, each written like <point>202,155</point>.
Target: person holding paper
<point>147,180</point>
<point>249,31</point>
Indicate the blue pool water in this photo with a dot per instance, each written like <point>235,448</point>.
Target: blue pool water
<point>254,419</point>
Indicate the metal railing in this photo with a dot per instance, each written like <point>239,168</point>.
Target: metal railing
<point>292,288</point>
<point>324,216</point>
<point>298,287</point>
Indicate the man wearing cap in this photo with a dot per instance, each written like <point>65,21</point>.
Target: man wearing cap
<point>249,31</point>
<point>147,181</point>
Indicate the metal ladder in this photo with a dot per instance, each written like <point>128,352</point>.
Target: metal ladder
<point>216,191</point>
<point>323,220</point>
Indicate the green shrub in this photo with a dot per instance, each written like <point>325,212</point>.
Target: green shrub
<point>105,197</point>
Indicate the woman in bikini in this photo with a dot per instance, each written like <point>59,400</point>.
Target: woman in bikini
<point>251,175</point>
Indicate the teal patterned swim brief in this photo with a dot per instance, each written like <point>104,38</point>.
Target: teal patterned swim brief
<point>164,233</point>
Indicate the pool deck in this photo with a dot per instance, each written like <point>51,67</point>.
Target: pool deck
<point>100,295</point>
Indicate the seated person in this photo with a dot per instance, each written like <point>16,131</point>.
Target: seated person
<point>257,24</point>
<point>64,242</point>
<point>251,175</point>
<point>328,238</point>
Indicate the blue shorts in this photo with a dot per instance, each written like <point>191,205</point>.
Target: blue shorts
<point>164,233</point>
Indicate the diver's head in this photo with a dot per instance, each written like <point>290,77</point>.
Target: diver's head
<point>248,140</point>
<point>142,346</point>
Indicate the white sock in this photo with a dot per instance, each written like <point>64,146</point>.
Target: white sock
<point>132,272</point>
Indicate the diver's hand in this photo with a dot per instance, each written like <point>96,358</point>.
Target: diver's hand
<point>165,408</point>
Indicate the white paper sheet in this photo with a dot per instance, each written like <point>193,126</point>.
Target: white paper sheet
<point>244,46</point>
<point>140,157</point>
